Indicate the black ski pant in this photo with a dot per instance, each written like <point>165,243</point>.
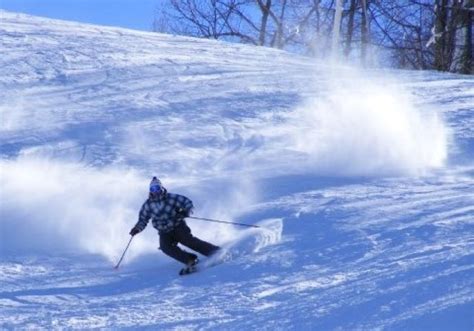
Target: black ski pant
<point>182,234</point>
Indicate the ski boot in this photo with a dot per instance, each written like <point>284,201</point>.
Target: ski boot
<point>190,267</point>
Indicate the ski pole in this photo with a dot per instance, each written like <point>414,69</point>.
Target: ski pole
<point>126,248</point>
<point>218,221</point>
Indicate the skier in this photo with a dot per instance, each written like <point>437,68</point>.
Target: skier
<point>167,212</point>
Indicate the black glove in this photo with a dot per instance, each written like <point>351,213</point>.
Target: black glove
<point>182,212</point>
<point>134,231</point>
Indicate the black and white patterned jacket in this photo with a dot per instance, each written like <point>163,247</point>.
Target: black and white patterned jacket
<point>163,212</point>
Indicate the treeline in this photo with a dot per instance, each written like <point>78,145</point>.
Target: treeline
<point>413,34</point>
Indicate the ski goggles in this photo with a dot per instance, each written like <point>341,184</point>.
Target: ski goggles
<point>155,189</point>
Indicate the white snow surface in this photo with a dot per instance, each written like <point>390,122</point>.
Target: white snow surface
<point>362,183</point>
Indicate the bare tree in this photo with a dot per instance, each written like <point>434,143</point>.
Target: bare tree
<point>350,27</point>
<point>365,31</point>
<point>467,63</point>
<point>337,26</point>
<point>213,19</point>
<point>357,18</point>
<point>452,35</point>
<point>265,8</point>
<point>417,34</point>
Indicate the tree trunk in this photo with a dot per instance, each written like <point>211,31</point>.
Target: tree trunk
<point>279,39</point>
<point>265,9</point>
<point>455,21</point>
<point>336,27</point>
<point>364,32</point>
<point>350,28</point>
<point>441,18</point>
<point>466,57</point>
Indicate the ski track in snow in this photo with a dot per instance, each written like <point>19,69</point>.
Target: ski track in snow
<point>357,251</point>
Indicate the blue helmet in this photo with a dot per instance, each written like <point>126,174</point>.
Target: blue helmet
<point>155,186</point>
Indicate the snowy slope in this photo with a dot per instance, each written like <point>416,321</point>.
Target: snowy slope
<point>362,182</point>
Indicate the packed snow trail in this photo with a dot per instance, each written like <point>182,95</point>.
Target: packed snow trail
<point>372,219</point>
